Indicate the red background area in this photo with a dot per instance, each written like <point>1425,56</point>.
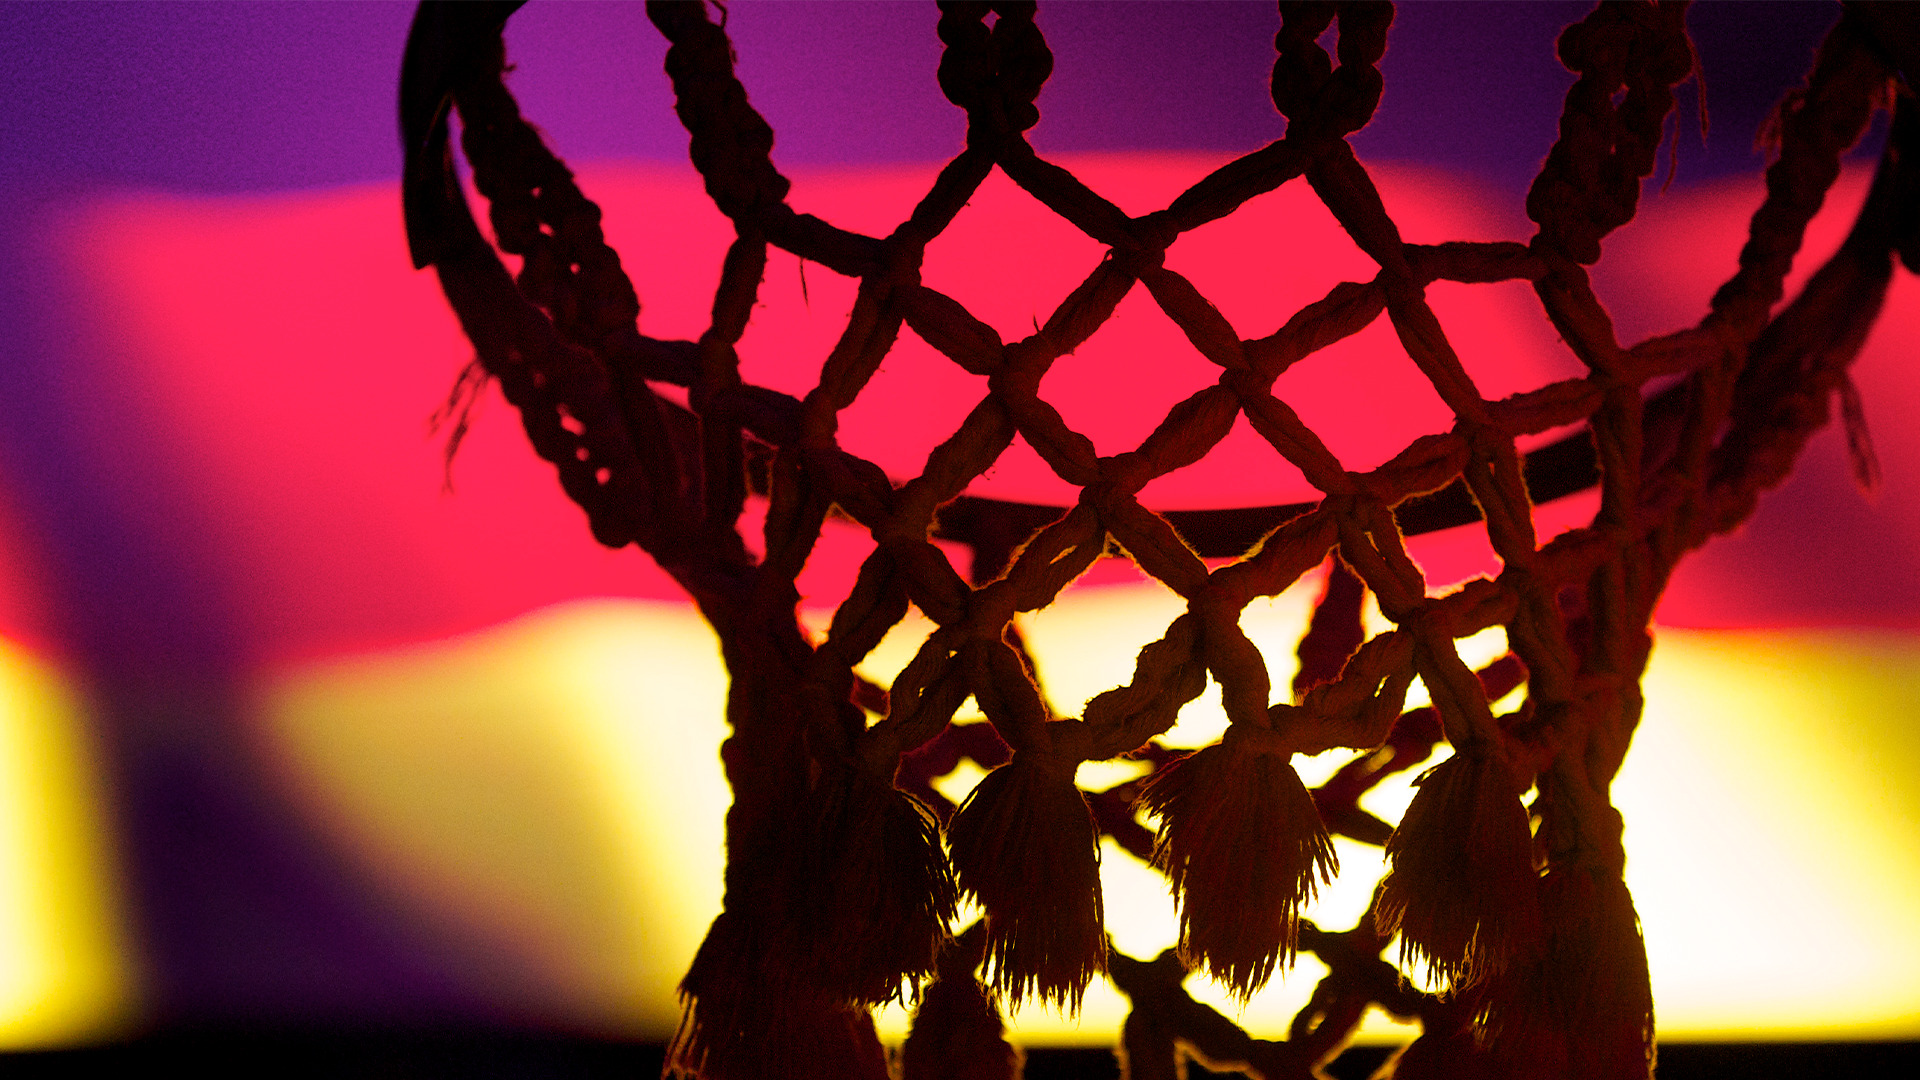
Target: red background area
<point>253,377</point>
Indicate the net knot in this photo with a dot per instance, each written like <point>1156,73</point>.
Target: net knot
<point>1258,738</point>
<point>1015,380</point>
<point>1121,478</point>
<point>1068,743</point>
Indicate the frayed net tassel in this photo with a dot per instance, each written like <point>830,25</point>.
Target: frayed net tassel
<point>1244,847</point>
<point>746,1017</point>
<point>729,1009</point>
<point>1461,890</point>
<point>957,1033</point>
<point>1583,1008</point>
<point>783,982</point>
<point>1025,844</point>
<point>879,892</point>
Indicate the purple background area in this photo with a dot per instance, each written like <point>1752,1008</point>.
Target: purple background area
<point>241,920</point>
<point>269,97</point>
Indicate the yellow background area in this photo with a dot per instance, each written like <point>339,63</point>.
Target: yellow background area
<point>65,972</point>
<point>553,787</point>
<point>556,783</point>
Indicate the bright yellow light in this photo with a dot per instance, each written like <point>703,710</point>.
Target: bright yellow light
<point>1771,800</point>
<point>63,969</point>
<point>554,786</point>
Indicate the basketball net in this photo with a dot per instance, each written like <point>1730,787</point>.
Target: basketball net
<point>845,865</point>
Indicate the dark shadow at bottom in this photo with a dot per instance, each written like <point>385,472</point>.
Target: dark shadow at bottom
<point>495,1056</point>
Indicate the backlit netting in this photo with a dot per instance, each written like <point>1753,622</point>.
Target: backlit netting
<point>845,866</point>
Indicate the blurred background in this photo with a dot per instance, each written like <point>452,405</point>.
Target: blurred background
<point>304,729</point>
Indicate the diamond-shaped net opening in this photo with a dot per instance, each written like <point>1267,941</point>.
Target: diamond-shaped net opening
<point>846,864</point>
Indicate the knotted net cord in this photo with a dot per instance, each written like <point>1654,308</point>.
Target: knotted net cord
<point>838,888</point>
